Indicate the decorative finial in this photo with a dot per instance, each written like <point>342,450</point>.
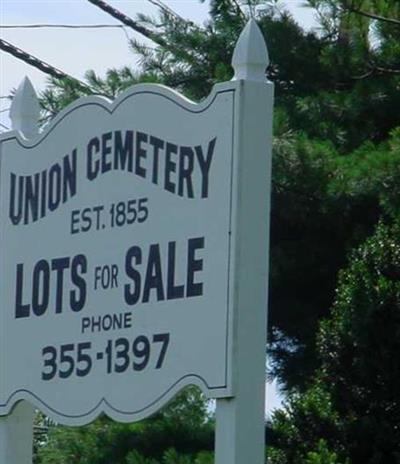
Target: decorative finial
<point>250,58</point>
<point>25,109</point>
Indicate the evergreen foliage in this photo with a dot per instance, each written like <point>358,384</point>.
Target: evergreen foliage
<point>183,429</point>
<point>353,402</point>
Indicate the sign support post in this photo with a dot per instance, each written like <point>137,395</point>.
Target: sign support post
<point>240,423</point>
<point>16,435</point>
<point>16,430</point>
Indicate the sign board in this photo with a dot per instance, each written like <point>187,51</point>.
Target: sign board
<point>115,250</point>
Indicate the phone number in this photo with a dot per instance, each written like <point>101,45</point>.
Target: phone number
<point>120,355</point>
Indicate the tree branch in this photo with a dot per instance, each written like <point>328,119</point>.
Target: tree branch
<point>155,37</point>
<point>383,70</point>
<point>370,15</point>
<point>239,10</point>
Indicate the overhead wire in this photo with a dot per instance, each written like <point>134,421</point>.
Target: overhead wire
<point>67,26</point>
<point>37,63</point>
<point>135,25</point>
<point>167,9</point>
<point>57,73</point>
<point>62,26</point>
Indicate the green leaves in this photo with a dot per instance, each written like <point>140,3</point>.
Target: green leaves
<point>323,456</point>
<point>183,430</point>
<point>171,456</point>
<point>358,347</point>
<point>372,171</point>
<point>351,408</point>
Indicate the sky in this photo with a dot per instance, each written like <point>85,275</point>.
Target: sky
<point>76,51</point>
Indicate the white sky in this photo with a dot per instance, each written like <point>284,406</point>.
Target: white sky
<point>76,51</point>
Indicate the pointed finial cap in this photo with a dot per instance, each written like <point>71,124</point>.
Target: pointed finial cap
<point>25,109</point>
<point>250,58</point>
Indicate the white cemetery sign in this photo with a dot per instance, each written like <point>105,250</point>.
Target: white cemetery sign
<point>133,241</point>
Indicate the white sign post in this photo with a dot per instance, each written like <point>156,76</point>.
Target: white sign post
<point>16,429</point>
<point>134,255</point>
<point>240,425</point>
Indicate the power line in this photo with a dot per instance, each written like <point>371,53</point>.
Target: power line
<point>31,60</point>
<point>67,26</point>
<point>173,14</point>
<point>37,63</point>
<point>136,26</point>
<point>169,11</point>
<point>128,21</point>
<point>62,26</point>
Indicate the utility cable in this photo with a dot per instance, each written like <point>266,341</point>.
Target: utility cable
<point>169,11</point>
<point>138,27</point>
<point>173,14</point>
<point>128,21</point>
<point>67,26</point>
<point>62,26</point>
<point>37,63</point>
